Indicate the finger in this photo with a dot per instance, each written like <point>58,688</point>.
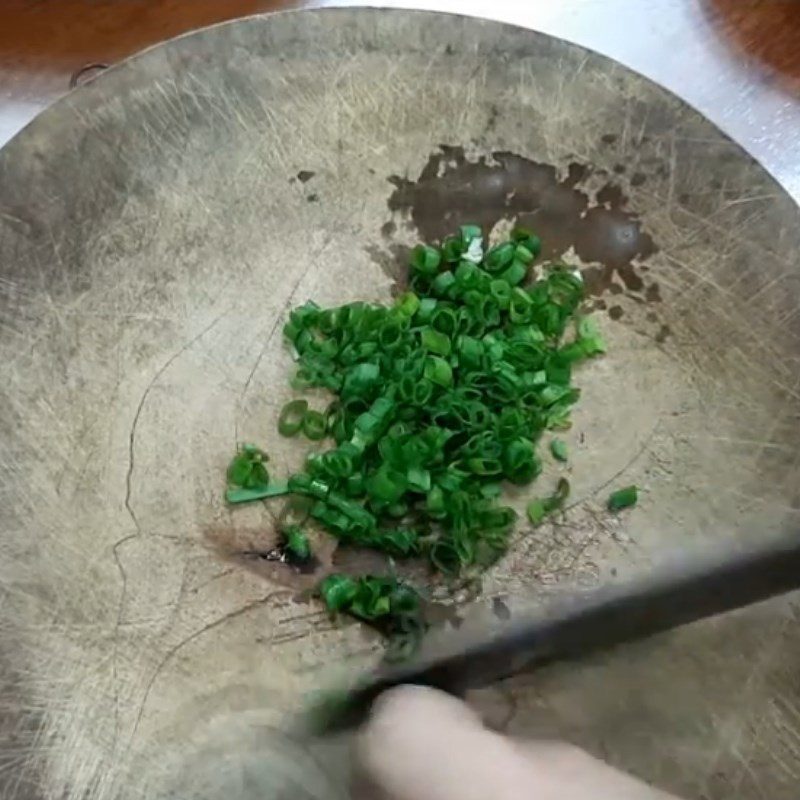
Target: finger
<point>424,745</point>
<point>421,744</point>
<point>560,766</point>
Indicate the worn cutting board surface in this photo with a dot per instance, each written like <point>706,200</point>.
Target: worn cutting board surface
<point>156,225</point>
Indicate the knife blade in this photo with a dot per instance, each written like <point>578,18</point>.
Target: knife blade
<point>671,597</point>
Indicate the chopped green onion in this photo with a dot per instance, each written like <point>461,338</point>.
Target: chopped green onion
<point>296,545</point>
<point>425,260</point>
<point>440,400</point>
<point>559,449</point>
<point>516,273</point>
<point>338,592</point>
<point>361,379</point>
<point>437,370</point>
<point>436,342</point>
<point>442,283</point>
<point>290,420</point>
<point>388,604</point>
<point>542,507</point>
<point>315,425</point>
<point>537,510</point>
<point>247,470</point>
<point>623,498</point>
<point>520,463</point>
<point>407,304</point>
<point>235,496</point>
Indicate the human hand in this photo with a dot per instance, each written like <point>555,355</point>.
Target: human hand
<point>421,744</point>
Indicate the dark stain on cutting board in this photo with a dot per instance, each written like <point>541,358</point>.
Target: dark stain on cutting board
<point>258,550</point>
<point>453,189</point>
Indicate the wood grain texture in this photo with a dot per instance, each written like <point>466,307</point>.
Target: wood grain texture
<point>146,264</point>
<point>734,60</point>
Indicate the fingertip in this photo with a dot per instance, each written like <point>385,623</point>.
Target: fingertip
<point>402,722</point>
<point>414,705</point>
<point>421,744</point>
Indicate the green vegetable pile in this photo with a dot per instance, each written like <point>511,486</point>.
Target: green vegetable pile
<point>439,399</point>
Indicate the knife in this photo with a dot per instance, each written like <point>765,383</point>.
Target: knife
<point>702,587</point>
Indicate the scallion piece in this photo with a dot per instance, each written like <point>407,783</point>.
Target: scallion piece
<point>248,468</point>
<point>435,342</point>
<point>438,371</point>
<point>542,507</point>
<point>623,498</point>
<point>296,544</point>
<point>234,495</point>
<point>290,421</point>
<point>425,260</point>
<point>559,450</point>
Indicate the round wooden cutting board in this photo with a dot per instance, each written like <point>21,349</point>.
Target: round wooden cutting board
<point>156,225</point>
